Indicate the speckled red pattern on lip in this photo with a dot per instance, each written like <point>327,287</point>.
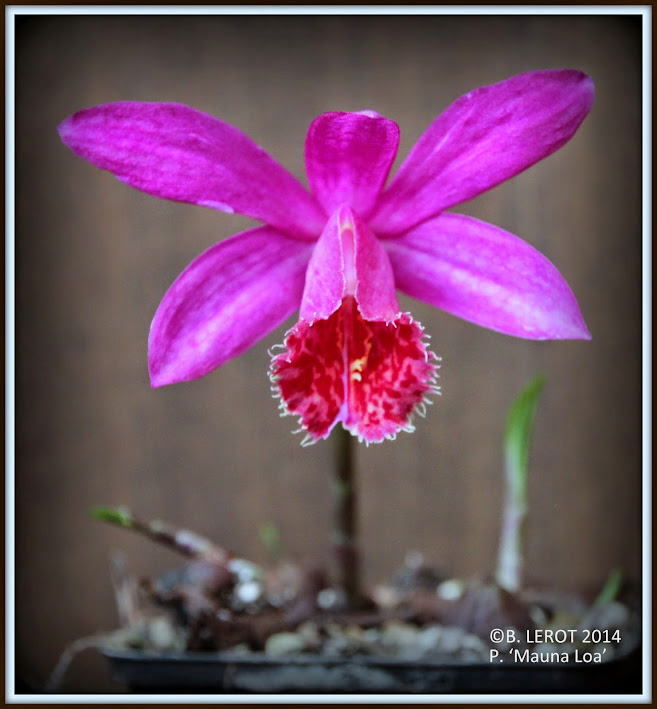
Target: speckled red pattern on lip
<point>371,376</point>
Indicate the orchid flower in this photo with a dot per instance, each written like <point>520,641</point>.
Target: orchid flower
<point>340,251</point>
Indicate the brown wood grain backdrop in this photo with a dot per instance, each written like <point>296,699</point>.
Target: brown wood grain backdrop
<point>95,257</point>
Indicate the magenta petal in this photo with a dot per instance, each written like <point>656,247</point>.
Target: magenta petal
<point>231,296</point>
<point>348,158</point>
<point>176,152</point>
<point>376,292</point>
<point>348,260</point>
<point>325,280</point>
<point>485,275</point>
<point>482,139</point>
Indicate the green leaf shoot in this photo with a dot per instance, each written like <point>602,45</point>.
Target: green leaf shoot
<point>518,438</point>
<point>271,539</point>
<point>516,455</point>
<point>114,515</point>
<point>610,590</point>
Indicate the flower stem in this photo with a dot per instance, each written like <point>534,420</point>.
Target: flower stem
<point>345,519</point>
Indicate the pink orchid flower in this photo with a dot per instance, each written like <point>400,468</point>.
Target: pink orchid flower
<point>340,251</point>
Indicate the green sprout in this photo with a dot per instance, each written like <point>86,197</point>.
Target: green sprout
<point>116,515</point>
<point>271,539</point>
<point>516,454</point>
<point>610,590</point>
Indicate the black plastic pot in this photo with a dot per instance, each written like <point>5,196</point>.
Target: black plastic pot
<point>213,673</point>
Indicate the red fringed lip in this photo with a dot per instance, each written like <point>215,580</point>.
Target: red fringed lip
<point>371,376</point>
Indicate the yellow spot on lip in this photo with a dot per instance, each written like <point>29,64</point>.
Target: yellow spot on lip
<point>356,368</point>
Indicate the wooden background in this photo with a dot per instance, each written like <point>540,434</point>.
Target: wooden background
<point>94,257</point>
